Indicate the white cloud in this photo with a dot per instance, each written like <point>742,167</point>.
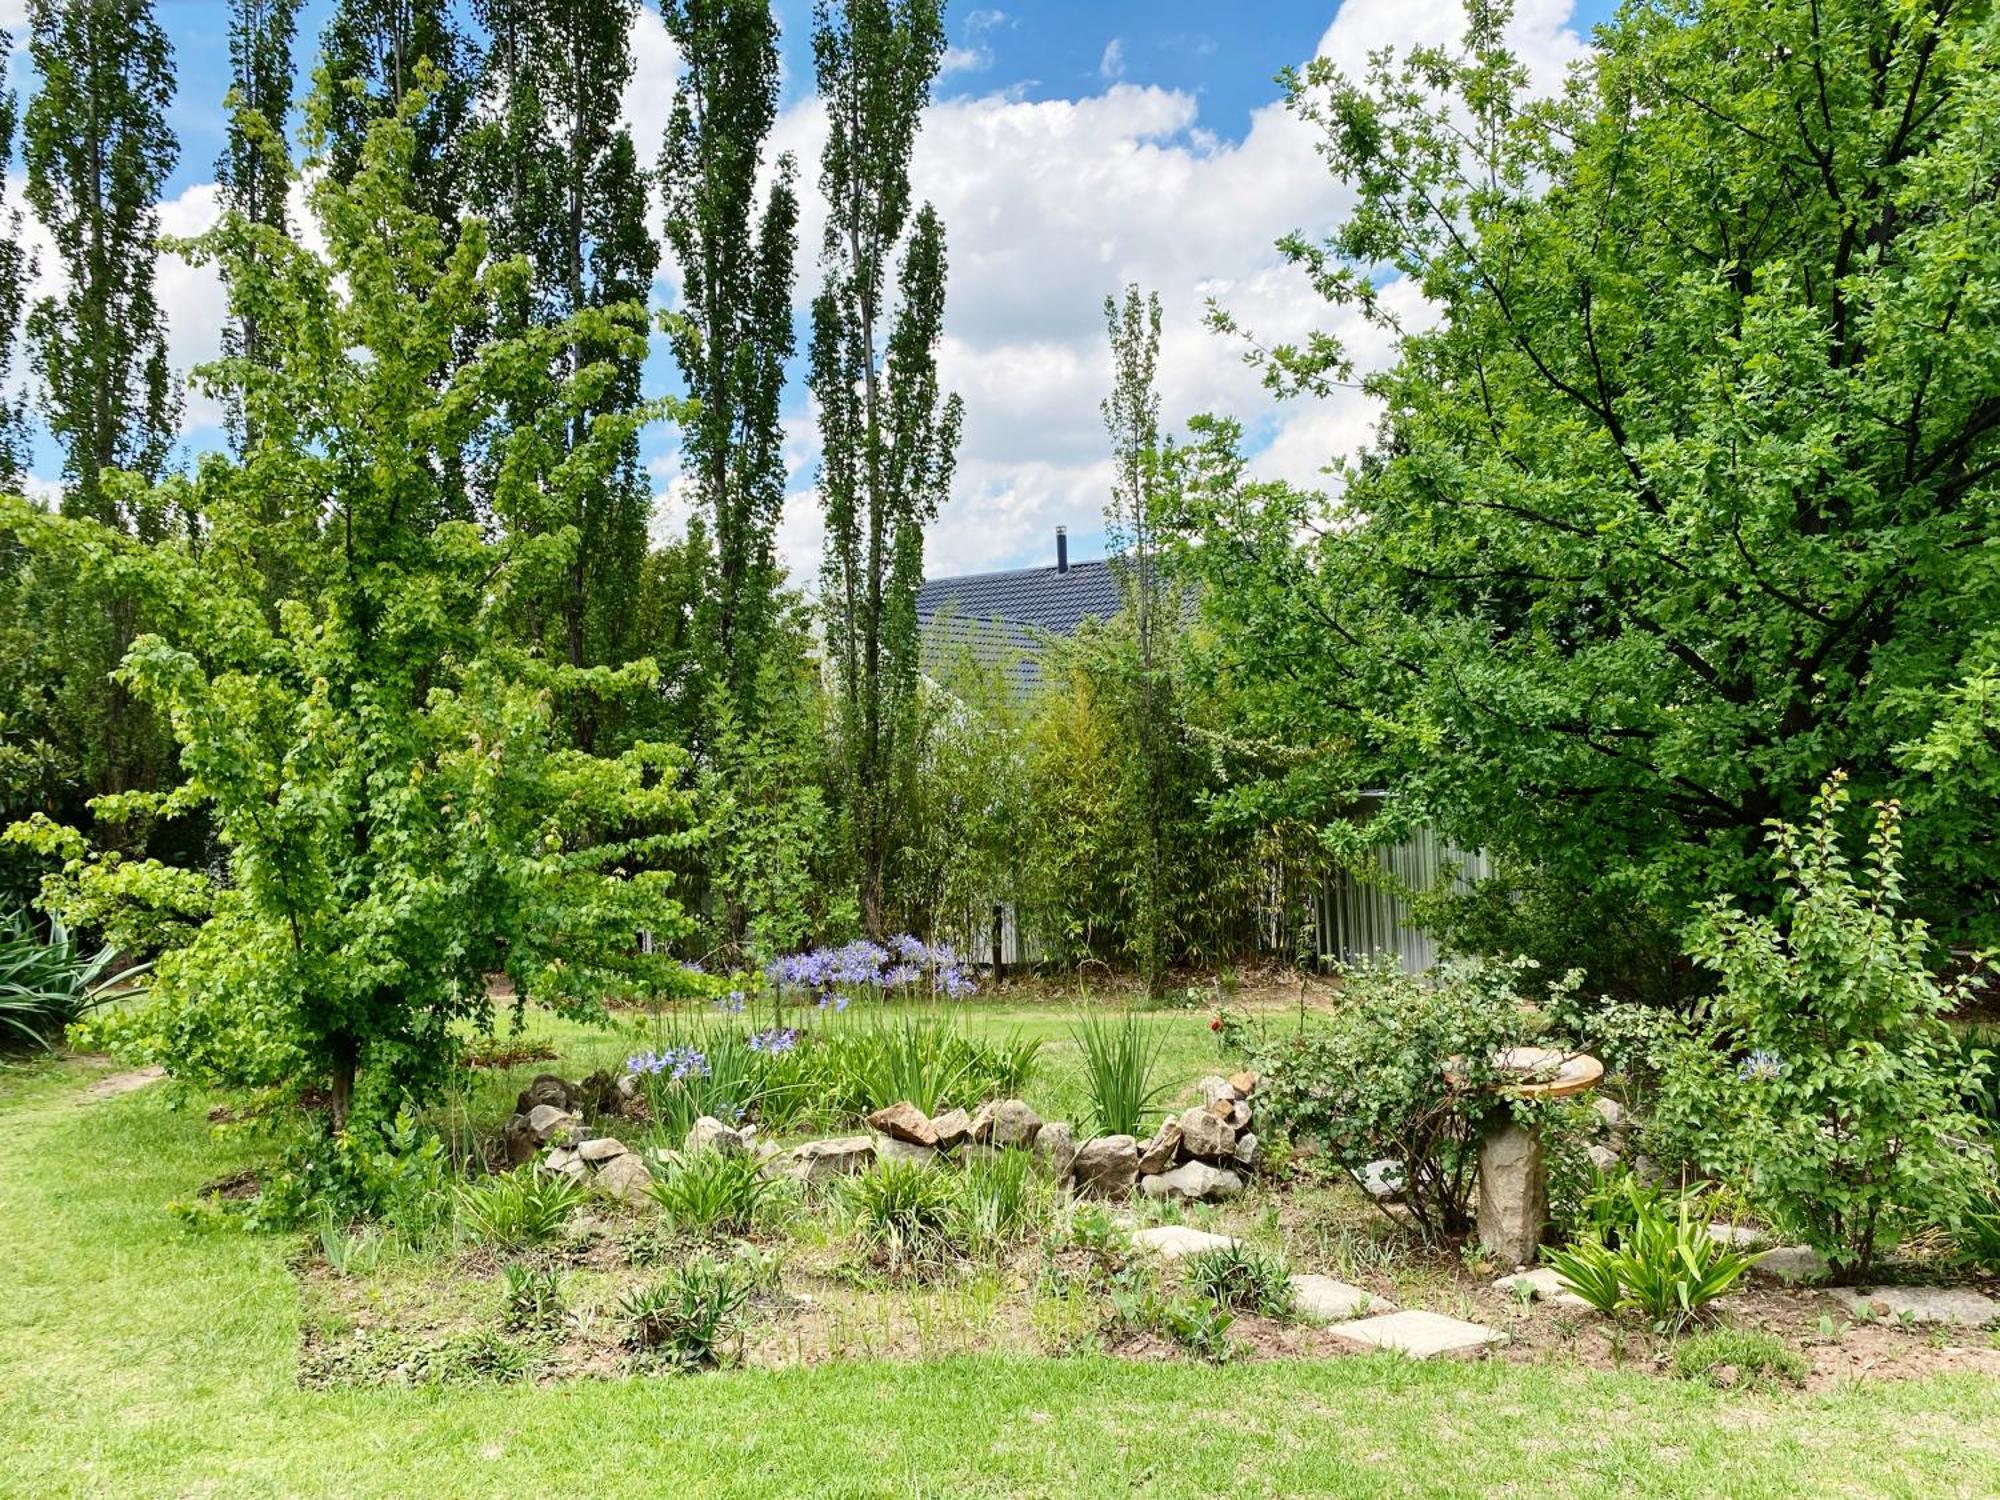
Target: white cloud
<point>1112,63</point>
<point>1050,205</point>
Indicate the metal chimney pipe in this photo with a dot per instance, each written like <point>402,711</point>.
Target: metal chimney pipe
<point>1062,549</point>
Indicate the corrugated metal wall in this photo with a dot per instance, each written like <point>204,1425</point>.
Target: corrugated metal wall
<point>1356,916</point>
<point>1362,915</point>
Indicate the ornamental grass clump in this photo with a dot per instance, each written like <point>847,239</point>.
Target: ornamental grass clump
<point>1828,1080</point>
<point>519,1208</point>
<point>1243,1279</point>
<point>1121,1058</point>
<point>683,1318</point>
<point>713,1192</point>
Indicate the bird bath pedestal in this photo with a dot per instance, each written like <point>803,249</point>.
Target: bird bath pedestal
<point>1513,1175</point>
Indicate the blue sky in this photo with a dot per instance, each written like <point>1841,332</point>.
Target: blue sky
<point>1072,147</point>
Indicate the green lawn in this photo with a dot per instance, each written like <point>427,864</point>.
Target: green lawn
<point>137,1358</point>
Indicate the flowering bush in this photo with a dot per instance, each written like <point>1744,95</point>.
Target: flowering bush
<point>1369,1081</point>
<point>1827,1079</point>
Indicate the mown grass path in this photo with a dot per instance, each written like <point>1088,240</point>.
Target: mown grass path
<point>137,1358</point>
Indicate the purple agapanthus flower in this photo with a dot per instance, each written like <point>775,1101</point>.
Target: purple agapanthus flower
<point>733,1002</point>
<point>1761,1067</point>
<point>777,1039</point>
<point>645,1062</point>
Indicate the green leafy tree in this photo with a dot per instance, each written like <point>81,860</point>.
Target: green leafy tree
<point>1685,495</point>
<point>17,269</point>
<point>254,169</point>
<point>558,170</point>
<point>399,812</point>
<point>888,437</point>
<point>1829,1077</point>
<point>734,332</point>
<point>98,150</point>
<point>371,52</point>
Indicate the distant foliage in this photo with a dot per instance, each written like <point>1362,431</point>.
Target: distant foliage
<point>47,982</point>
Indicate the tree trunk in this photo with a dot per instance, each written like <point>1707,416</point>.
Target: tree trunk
<point>346,1065</point>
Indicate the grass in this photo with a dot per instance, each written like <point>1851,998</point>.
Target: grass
<point>139,1358</point>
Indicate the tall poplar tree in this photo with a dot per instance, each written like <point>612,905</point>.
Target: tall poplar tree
<point>555,167</point>
<point>1132,417</point>
<point>735,333</point>
<point>255,165</point>
<point>370,52</point>
<point>16,271</point>
<point>98,151</point>
<point>887,433</point>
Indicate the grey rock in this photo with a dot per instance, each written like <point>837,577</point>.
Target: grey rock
<point>559,1158</point>
<point>628,1087</point>
<point>601,1149</point>
<point>888,1148</point>
<point>1245,1083</point>
<point>981,1131</point>
<point>1014,1124</point>
<point>1738,1236</point>
<point>1194,1181</point>
<point>624,1178</point>
<point>1611,1113</point>
<point>1792,1263</point>
<point>1239,1115</point>
<point>1056,1142</point>
<point>903,1121</point>
<point>1106,1166</point>
<point>1513,1193</point>
<point>1205,1137</point>
<point>1158,1154</point>
<point>1215,1087</point>
<point>1245,1150</point>
<point>518,1138</point>
<point>547,1122</point>
<point>545,1088</point>
<point>1383,1179</point>
<point>953,1128</point>
<point>841,1156</point>
<point>1602,1157</point>
<point>1541,1284</point>
<point>710,1134</point>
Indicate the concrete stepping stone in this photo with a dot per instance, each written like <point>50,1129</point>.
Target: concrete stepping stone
<point>1925,1304</point>
<point>1421,1335</point>
<point>1174,1241</point>
<point>1541,1284</point>
<point>1335,1301</point>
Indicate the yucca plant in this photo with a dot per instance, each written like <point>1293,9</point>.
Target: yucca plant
<point>1243,1279</point>
<point>46,983</point>
<point>683,1317</point>
<point>1120,1059</point>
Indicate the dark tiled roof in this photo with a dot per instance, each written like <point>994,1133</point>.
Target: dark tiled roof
<point>1006,617</point>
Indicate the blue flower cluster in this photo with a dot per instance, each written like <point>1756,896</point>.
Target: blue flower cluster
<point>732,1003</point>
<point>903,963</point>
<point>676,1062</point>
<point>1761,1067</point>
<point>777,1039</point>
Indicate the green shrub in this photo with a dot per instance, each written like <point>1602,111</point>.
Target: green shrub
<point>1368,1081</point>
<point>1826,1080</point>
<point>881,1058</point>
<point>1121,1058</point>
<point>1666,1268</point>
<point>1242,1279</point>
<point>519,1208</point>
<point>1731,1358</point>
<point>533,1296</point>
<point>713,1192</point>
<point>907,1208</point>
<point>46,983</point>
<point>684,1317</point>
<point>1976,1233</point>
